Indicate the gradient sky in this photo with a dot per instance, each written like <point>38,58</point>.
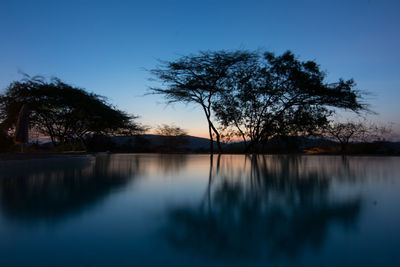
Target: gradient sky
<point>106,46</point>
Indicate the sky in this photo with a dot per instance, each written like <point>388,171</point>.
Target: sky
<point>107,47</point>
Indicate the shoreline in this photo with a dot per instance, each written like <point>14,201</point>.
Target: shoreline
<point>32,156</point>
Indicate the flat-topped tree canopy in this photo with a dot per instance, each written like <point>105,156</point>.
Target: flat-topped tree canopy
<point>256,95</point>
<point>61,111</point>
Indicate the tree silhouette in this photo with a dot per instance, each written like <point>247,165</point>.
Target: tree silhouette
<point>351,131</point>
<point>199,79</point>
<point>282,96</point>
<point>170,130</point>
<point>347,131</point>
<point>256,95</point>
<point>61,111</point>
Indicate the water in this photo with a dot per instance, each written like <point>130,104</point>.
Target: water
<point>193,210</point>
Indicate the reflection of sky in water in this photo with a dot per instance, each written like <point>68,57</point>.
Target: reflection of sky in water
<point>190,209</point>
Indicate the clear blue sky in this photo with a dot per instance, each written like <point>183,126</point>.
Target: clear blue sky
<point>104,46</point>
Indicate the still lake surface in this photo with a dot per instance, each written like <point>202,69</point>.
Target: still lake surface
<point>194,210</point>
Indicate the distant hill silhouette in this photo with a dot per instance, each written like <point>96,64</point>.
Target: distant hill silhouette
<point>277,145</point>
<point>193,144</point>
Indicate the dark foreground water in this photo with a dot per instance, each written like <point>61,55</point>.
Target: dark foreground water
<point>193,210</point>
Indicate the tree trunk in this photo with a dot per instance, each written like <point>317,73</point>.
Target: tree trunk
<point>218,138</point>
<point>219,143</point>
<point>211,137</point>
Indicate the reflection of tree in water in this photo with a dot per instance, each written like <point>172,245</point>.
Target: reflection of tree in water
<point>56,188</point>
<point>274,205</point>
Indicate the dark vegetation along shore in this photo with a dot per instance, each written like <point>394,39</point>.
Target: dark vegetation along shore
<point>253,102</point>
<point>190,144</point>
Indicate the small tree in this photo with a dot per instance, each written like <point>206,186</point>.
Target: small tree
<point>379,133</point>
<point>346,132</point>
<point>170,130</point>
<point>172,138</point>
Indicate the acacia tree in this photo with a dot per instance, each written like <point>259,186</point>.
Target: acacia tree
<point>170,130</point>
<point>256,95</point>
<point>282,96</point>
<point>344,132</point>
<point>61,111</point>
<point>199,79</point>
